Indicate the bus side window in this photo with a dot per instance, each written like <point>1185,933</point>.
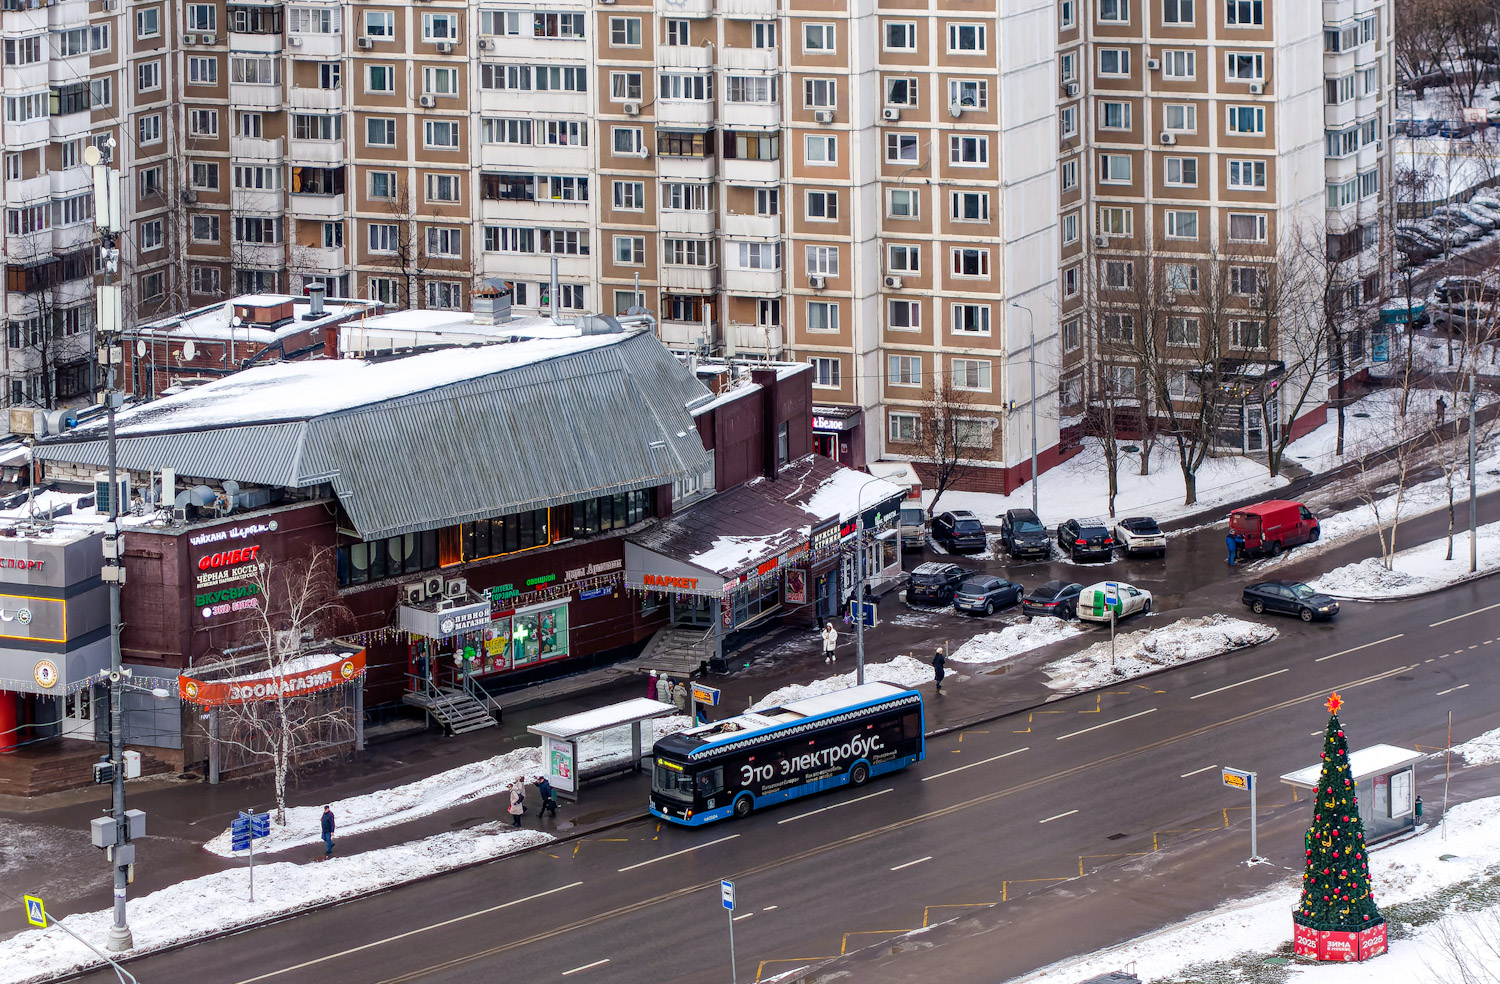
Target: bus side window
<point>911,725</point>
<point>711,781</point>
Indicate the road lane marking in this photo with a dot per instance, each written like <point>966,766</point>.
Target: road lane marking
<point>770,907</point>
<point>686,850</point>
<point>1208,768</point>
<point>1433,625</point>
<point>835,806</point>
<point>1106,724</point>
<point>596,963</point>
<point>1263,676</point>
<point>410,932</point>
<point>745,916</point>
<point>1444,693</point>
<point>1346,652</point>
<point>993,758</point>
<point>1058,817</point>
<point>910,863</point>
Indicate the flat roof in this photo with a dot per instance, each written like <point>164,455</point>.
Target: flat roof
<point>603,718</point>
<point>1375,760</point>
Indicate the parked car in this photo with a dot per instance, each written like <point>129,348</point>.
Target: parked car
<point>960,531</point>
<point>1457,231</point>
<point>1420,128</point>
<point>1453,129</point>
<point>1473,216</point>
<point>1270,527</point>
<point>1096,601</point>
<point>1488,202</point>
<point>1456,290</point>
<point>1436,237</point>
<point>913,526</point>
<point>1058,598</point>
<point>985,593</point>
<point>1461,301</point>
<point>1023,535</point>
<point>1085,539</point>
<point>1140,535</point>
<point>1291,597</point>
<point>934,583</point>
<point>1416,249</point>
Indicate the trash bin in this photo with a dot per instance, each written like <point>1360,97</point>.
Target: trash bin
<point>718,664</point>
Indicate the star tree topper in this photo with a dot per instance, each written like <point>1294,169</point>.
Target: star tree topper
<point>1334,703</point>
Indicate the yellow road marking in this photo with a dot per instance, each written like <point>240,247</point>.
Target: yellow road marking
<point>1005,885</point>
<point>1126,854</point>
<point>1027,731</point>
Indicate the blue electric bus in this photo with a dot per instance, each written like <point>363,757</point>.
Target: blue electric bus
<point>733,766</point>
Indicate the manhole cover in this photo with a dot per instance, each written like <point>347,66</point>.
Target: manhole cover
<point>1115,837</point>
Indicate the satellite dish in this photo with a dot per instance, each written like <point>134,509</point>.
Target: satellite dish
<point>91,155</point>
<point>140,348</point>
<point>189,350</point>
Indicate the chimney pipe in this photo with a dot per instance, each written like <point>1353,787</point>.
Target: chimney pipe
<point>315,294</point>
<point>555,319</point>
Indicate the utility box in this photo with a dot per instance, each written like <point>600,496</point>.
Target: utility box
<point>102,831</point>
<point>132,765</point>
<point>135,824</point>
<point>104,772</point>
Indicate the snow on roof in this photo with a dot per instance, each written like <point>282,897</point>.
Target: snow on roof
<point>839,699</point>
<point>215,322</point>
<point>728,396</point>
<point>600,718</point>
<point>297,665</point>
<point>848,492</point>
<point>1363,762</point>
<point>730,554</point>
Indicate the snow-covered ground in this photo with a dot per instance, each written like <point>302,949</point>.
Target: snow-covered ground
<point>1414,570</point>
<point>1184,641</point>
<point>1483,750</point>
<point>903,671</point>
<point>1022,636</point>
<point>1367,426</point>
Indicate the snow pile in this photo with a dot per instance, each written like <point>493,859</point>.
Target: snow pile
<point>217,902</point>
<point>1415,570</point>
<point>1024,635</point>
<point>1184,641</point>
<point>387,807</point>
<point>903,671</point>
<point>1483,750</point>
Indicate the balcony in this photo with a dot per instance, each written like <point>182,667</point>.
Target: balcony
<point>320,100</point>
<point>701,8</point>
<point>751,226</point>
<point>255,41</point>
<point>256,202</point>
<point>517,157</point>
<point>71,180</point>
<point>319,259</point>
<point>310,45</point>
<point>316,152</point>
<point>259,255</point>
<point>538,266</point>
<point>691,223</point>
<point>684,334</point>
<point>751,172</point>
<point>544,210</point>
<point>305,205</point>
<point>750,59</point>
<point>22,78</point>
<point>750,116</point>
<point>685,112</point>
<point>766,340</point>
<point>28,191</point>
<point>243,96</point>
<point>70,126</point>
<point>1340,116</point>
<point>686,55</point>
<point>67,13</point>
<point>492,102</point>
<point>68,237</point>
<point>765,283</point>
<point>690,279</point>
<point>751,9</point>
<point>14,23</point>
<point>687,168</point>
<point>32,133</point>
<point>61,71</point>
<point>256,149</point>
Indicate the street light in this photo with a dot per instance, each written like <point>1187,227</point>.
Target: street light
<point>859,585</point>
<point>1031,333</point>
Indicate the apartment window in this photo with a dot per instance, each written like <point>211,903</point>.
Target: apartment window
<point>148,23</point>
<point>751,89</point>
<point>823,261</point>
<point>207,280</point>
<point>625,86</point>
<point>900,91</point>
<point>970,262</point>
<point>688,252</point>
<point>440,134</point>
<point>383,237</point>
<point>1070,280</point>
<point>626,140</point>
<point>752,145</point>
<point>203,122</point>
<point>561,78</point>
<point>1072,335</point>
<point>768,202</point>
<point>444,241</point>
<point>442,187</point>
<point>12,167</point>
<point>903,259</point>
<point>1067,14</point>
<point>968,93</point>
<point>1182,172</point>
<point>630,250</point>
<point>971,319</point>
<point>151,235</point>
<point>1067,122</point>
<point>1367,29</point>
<point>148,76</point>
<point>1117,327</point>
<point>969,206</point>
<point>1114,61</point>
<point>1339,90</point>
<point>678,33</point>
<point>967,38</point>
<point>1369,80</point>
<point>904,370</point>
<point>682,196</point>
<point>445,295</point>
<point>1182,330</point>
<point>968,151</point>
<point>630,195</point>
<point>1247,227</point>
<point>821,205</point>
<point>905,428</point>
<point>565,133</point>
<point>1369,183</point>
<point>28,220</point>
<point>625,32</point>
<point>203,71</point>
<point>1070,224</point>
<point>763,34</point>
<point>153,285</point>
<point>901,148</point>
<point>149,129</point>
<point>818,38</point>
<point>768,311</point>
<point>440,81</point>
<point>970,374</point>
<point>23,51</point>
<point>250,178</point>
<point>1180,117</point>
<point>1067,67</point>
<point>759,256</point>
<point>1114,168</point>
<point>903,315</point>
<point>317,126</point>
<point>821,149</point>
<point>1114,11</point>
<point>1247,120</point>
<point>330,75</point>
<point>1248,334</point>
<point>1244,281</point>
<point>1182,224</point>
<point>1114,221</point>
<point>381,24</point>
<point>257,230</point>
<point>444,27</point>
<point>99,37</point>
<point>500,130</point>
<point>819,94</point>
<point>1119,274</point>
<point>1178,64</point>
<point>1182,278</point>
<point>825,371</point>
<point>971,432</point>
<point>822,316</point>
<point>1247,175</point>
<point>901,204</point>
<point>101,92</point>
<point>255,70</point>
<point>1114,116</point>
<point>680,87</point>
<point>383,185</point>
<point>1244,13</point>
<point>1177,13</point>
<point>1244,66</point>
<point>204,175</point>
<point>900,36</point>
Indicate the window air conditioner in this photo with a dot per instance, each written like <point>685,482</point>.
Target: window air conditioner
<point>456,587</point>
<point>190,39</point>
<point>1168,137</point>
<point>294,41</point>
<point>445,47</point>
<point>433,586</point>
<point>366,43</point>
<point>892,115</point>
<point>632,109</point>
<point>1101,241</point>
<point>484,43</point>
<point>1071,88</point>
<point>894,283</point>
<point>208,39</point>
<point>1256,88</point>
<point>413,594</point>
<point>427,102</point>
<point>1152,64</point>
<point>823,116</point>
<point>816,283</point>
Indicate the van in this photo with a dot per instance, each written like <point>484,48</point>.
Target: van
<point>913,525</point>
<point>1271,526</point>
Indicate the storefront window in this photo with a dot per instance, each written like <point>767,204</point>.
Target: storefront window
<point>540,634</point>
<point>508,534</point>
<point>497,654</point>
<point>397,556</point>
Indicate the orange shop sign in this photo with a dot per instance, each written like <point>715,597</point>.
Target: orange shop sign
<point>305,675</point>
<point>668,581</point>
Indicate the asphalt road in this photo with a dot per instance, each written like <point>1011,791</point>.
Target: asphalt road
<point>1021,841</point>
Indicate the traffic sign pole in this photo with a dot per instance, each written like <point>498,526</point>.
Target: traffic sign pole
<point>1241,779</point>
<point>726,892</point>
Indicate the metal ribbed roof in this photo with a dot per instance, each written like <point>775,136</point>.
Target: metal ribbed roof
<point>606,419</point>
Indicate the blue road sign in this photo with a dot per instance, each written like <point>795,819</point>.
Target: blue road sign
<point>240,827</point>
<point>36,912</point>
<point>239,845</point>
<point>726,892</point>
<point>260,825</point>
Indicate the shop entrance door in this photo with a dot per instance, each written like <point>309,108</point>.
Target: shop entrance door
<point>827,445</point>
<point>78,714</point>
<point>697,611</point>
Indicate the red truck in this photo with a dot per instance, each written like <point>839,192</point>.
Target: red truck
<point>1270,526</point>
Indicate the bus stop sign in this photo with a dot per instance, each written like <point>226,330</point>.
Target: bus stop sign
<point>1236,778</point>
<point>726,890</point>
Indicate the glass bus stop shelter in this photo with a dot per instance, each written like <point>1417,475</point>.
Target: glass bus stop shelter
<point>596,744</point>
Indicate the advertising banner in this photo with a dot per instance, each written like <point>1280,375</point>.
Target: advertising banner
<point>560,758</point>
<point>305,675</point>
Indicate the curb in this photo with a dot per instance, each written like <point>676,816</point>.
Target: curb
<point>1470,579</point>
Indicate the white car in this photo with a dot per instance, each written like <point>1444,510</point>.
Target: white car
<point>1140,535</point>
<point>1096,601</point>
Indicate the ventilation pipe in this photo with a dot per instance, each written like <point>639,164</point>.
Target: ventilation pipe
<point>315,294</point>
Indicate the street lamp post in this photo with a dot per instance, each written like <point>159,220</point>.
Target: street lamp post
<point>1031,335</point>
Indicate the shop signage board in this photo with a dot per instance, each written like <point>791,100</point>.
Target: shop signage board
<point>464,618</point>
<point>33,619</point>
<point>314,674</point>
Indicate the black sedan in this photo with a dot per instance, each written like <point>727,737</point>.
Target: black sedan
<point>1084,539</point>
<point>1058,598</point>
<point>933,583</point>
<point>983,594</point>
<point>1291,597</point>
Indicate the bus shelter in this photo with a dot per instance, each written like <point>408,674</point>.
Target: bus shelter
<point>1385,784</point>
<point>594,744</point>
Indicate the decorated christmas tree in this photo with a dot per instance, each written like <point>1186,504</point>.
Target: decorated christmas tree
<point>1336,893</point>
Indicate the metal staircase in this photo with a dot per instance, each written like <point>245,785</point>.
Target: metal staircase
<point>459,710</point>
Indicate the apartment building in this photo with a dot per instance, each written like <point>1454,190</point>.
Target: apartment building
<point>1203,142</point>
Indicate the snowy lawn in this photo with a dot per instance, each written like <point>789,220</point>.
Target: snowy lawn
<point>1184,641</point>
<point>1314,451</point>
<point>217,902</point>
<point>1024,635</point>
<point>1484,750</point>
<point>1414,570</point>
<point>903,671</point>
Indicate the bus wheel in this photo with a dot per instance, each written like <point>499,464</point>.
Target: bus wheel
<point>859,775</point>
<point>743,806</point>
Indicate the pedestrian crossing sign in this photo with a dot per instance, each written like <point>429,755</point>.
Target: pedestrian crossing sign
<point>36,912</point>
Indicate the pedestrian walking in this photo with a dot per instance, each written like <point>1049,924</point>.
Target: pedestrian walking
<point>544,790</point>
<point>517,802</point>
<point>651,688</point>
<point>680,697</point>
<point>327,833</point>
<point>939,663</point>
<point>1231,543</point>
<point>1442,410</point>
<point>830,639</point>
<point>664,689</point>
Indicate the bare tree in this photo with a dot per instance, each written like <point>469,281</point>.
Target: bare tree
<point>1293,311</point>
<point>945,421</point>
<point>298,605</point>
<point>1466,31</point>
<point>49,340</point>
<point>1383,468</point>
<point>1417,45</point>
<point>406,252</point>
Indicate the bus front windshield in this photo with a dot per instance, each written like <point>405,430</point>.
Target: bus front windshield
<point>672,781</point>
